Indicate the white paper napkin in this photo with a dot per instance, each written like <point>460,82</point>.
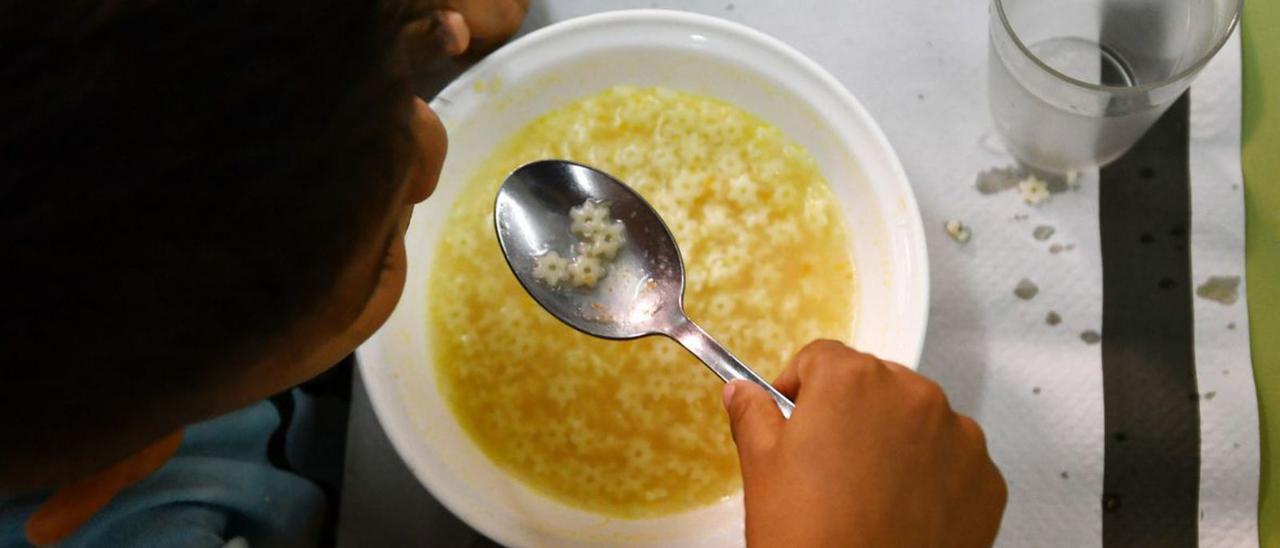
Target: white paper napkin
<point>920,68</point>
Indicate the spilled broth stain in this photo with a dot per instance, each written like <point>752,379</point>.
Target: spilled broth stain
<point>1220,289</point>
<point>1026,289</point>
<point>998,179</point>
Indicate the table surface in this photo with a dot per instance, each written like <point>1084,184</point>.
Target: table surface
<point>1261,132</point>
<point>1261,141</point>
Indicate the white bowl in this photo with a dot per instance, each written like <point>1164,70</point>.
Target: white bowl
<point>575,58</point>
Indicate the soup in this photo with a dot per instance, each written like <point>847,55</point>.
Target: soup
<point>636,429</point>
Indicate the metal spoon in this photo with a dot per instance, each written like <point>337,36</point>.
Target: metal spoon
<point>641,294</point>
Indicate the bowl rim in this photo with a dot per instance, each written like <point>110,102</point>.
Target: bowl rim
<point>443,102</point>
<point>381,394</point>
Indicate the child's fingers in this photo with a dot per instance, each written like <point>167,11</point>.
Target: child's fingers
<point>831,376</point>
<point>491,22</point>
<point>754,418</point>
<point>453,32</point>
<point>442,33</point>
<point>812,355</point>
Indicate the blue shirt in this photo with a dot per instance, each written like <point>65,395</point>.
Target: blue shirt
<point>265,475</point>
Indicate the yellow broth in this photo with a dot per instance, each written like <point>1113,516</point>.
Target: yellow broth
<point>636,429</point>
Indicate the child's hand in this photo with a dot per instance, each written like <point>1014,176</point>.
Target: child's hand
<point>872,456</point>
<point>452,28</point>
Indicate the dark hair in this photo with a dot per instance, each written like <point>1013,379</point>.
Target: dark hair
<point>180,182</point>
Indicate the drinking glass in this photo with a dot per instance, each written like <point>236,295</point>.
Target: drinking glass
<point>1074,83</point>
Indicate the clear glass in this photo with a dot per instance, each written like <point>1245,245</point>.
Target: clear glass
<point>1074,83</point>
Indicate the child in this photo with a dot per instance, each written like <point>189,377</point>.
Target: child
<point>203,204</point>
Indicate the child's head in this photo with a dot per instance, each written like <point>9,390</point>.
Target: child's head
<point>201,204</point>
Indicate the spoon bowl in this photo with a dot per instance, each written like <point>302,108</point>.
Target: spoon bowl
<point>642,292</point>
<point>644,287</point>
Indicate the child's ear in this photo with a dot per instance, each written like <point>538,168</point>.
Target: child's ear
<point>431,144</point>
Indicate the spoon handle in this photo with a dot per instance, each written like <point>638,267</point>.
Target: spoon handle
<point>722,362</point>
